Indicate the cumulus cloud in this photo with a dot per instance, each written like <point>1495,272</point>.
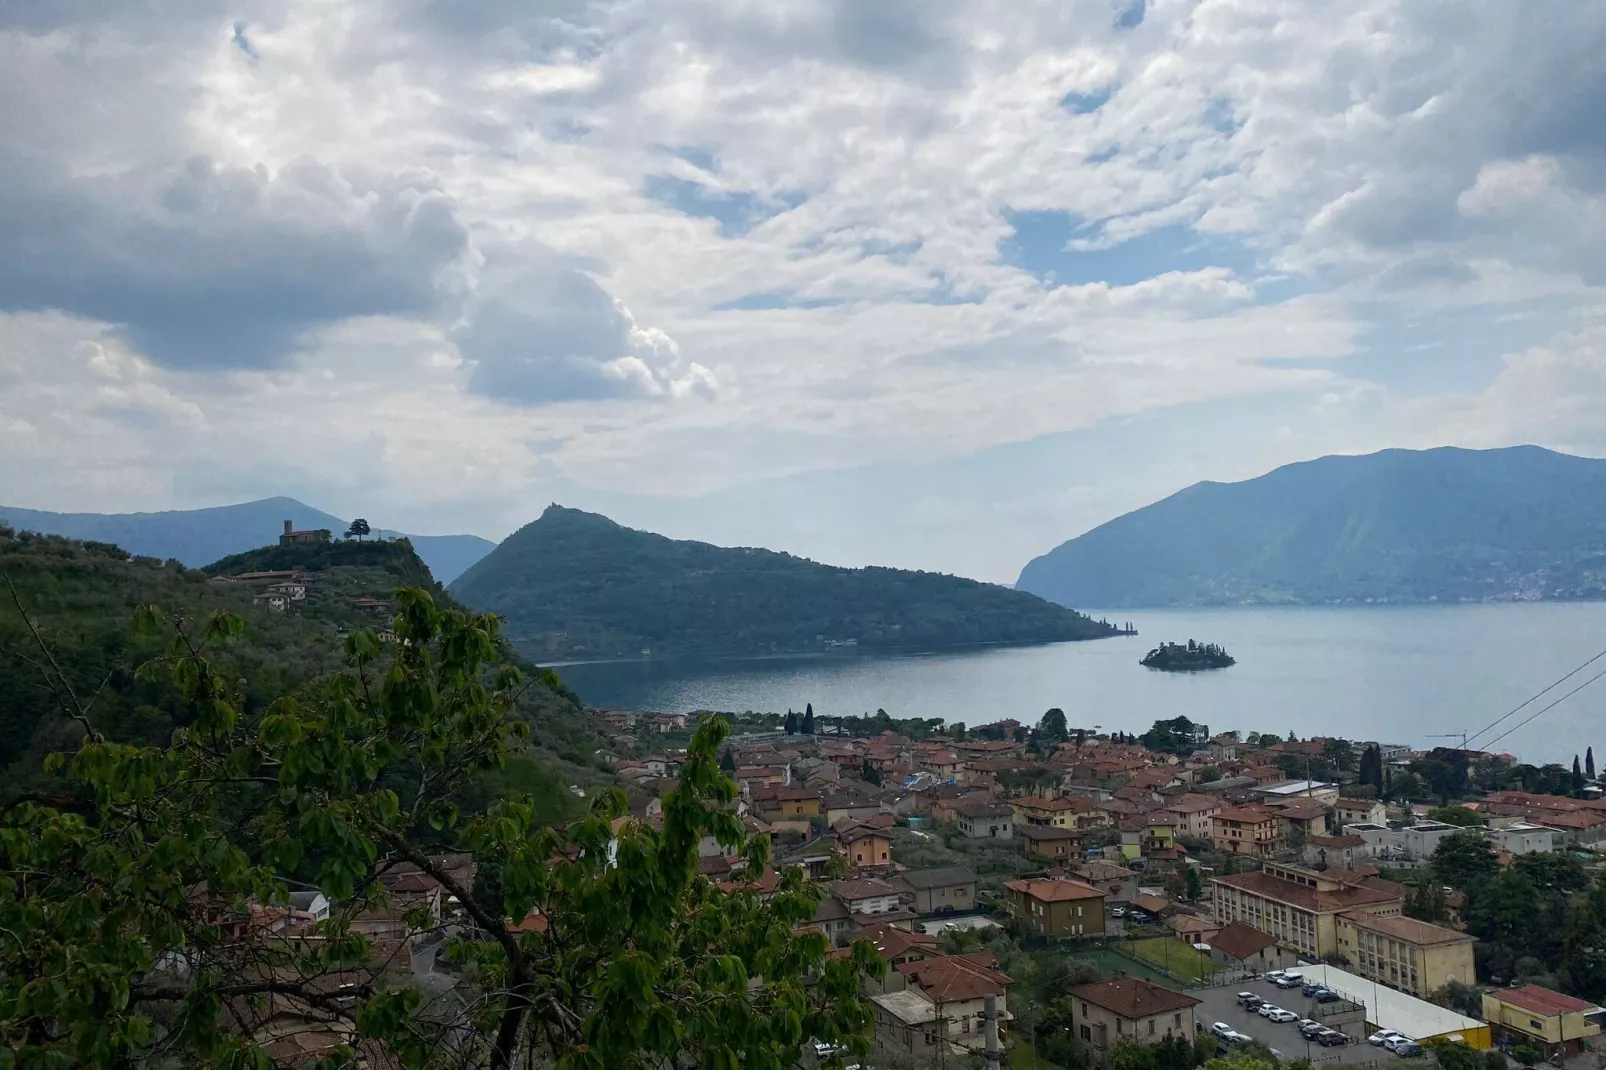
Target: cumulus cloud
<point>694,245</point>
<point>209,266</point>
<point>552,334</point>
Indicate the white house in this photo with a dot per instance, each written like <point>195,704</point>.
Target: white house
<point>1523,838</point>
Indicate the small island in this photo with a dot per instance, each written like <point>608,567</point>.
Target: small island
<point>1195,657</point>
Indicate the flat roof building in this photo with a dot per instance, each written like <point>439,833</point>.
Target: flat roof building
<point>1400,1011</point>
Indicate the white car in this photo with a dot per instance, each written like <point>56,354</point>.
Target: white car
<point>1266,1010</point>
<point>1118,912</point>
<point>1396,1042</point>
<point>1221,1029</point>
<point>1280,1015</point>
<point>1236,1037</point>
<point>1381,1038</point>
<point>822,1050</point>
<point>1274,976</point>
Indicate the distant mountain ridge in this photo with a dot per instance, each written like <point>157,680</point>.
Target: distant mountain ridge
<point>197,537</point>
<point>1447,524</point>
<point>577,585</point>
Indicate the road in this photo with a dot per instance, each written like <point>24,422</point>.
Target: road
<point>1221,1005</point>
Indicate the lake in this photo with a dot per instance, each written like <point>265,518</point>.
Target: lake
<point>1400,674</point>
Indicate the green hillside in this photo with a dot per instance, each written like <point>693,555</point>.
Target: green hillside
<point>575,584</point>
<point>82,597</point>
<point>1400,526</point>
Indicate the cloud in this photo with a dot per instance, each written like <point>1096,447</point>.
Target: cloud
<point>552,334</point>
<point>209,266</point>
<point>495,252</point>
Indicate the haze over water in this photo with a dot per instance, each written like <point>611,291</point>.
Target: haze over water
<point>1397,674</point>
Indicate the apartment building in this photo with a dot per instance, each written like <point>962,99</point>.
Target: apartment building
<point>1405,953</point>
<point>1299,907</point>
<point>1058,907</point>
<point>1249,830</point>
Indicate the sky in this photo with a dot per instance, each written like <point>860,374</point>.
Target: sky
<point>928,283</point>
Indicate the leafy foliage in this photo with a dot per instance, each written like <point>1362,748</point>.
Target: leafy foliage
<point>1456,815</point>
<point>82,596</point>
<point>1173,737</point>
<point>124,896</point>
<point>575,583</point>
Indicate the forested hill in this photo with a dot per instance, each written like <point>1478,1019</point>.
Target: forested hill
<point>393,556</point>
<point>1399,526</point>
<point>82,596</point>
<point>196,536</point>
<point>575,584</point>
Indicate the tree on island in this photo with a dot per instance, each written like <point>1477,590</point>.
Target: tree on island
<point>638,959</point>
<point>358,530</point>
<point>807,727</point>
<point>1194,657</point>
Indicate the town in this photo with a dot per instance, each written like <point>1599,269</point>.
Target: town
<point>1321,898</point>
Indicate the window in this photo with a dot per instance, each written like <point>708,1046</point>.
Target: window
<point>1084,1009</point>
<point>1151,1027</point>
<point>964,1024</point>
<point>1176,1020</point>
<point>1120,1026</point>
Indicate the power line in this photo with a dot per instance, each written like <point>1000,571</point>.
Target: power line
<point>1528,702</point>
<point>1552,706</point>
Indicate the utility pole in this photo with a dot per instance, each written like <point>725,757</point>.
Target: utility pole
<point>989,1016</point>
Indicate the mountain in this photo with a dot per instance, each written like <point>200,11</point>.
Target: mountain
<point>196,536</point>
<point>575,584</point>
<point>1397,526</point>
<point>82,597</point>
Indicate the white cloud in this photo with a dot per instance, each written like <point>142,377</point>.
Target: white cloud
<point>489,254</point>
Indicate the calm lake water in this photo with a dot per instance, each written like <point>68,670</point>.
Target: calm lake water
<point>1399,674</point>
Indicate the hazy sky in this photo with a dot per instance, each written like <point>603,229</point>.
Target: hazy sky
<point>918,282</point>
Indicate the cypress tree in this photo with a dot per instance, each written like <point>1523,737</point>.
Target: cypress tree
<point>1589,762</point>
<point>791,723</point>
<point>1578,776</point>
<point>808,720</point>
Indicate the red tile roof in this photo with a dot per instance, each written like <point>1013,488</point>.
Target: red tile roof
<point>1059,891</point>
<point>1240,941</point>
<point>1541,1001</point>
<point>1130,997</point>
<point>957,978</point>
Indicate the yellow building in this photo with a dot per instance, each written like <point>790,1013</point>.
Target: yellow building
<point>1541,1018</point>
<point>1404,953</point>
<point>1065,811</point>
<point>1246,830</point>
<point>1299,907</point>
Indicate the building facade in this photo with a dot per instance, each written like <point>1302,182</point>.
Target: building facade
<point>1248,830</point>
<point>1057,907</point>
<point>1555,1023</point>
<point>1405,953</point>
<point>1299,907</point>
<point>1128,1008</point>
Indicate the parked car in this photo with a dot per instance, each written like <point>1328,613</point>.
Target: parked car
<point>1289,980</point>
<point>1308,1029</point>
<point>1407,1049</point>
<point>1331,1038</point>
<point>1272,975</point>
<point>1249,1001</point>
<point>1398,1041</point>
<point>822,1050</point>
<point>1238,1039</point>
<point>1118,912</point>
<point>1326,995</point>
<point>1222,1029</point>
<point>1310,988</point>
<point>1381,1038</point>
<point>1266,1010</point>
<point>1280,1015</point>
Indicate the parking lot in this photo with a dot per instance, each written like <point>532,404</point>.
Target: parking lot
<point>1221,1005</point>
